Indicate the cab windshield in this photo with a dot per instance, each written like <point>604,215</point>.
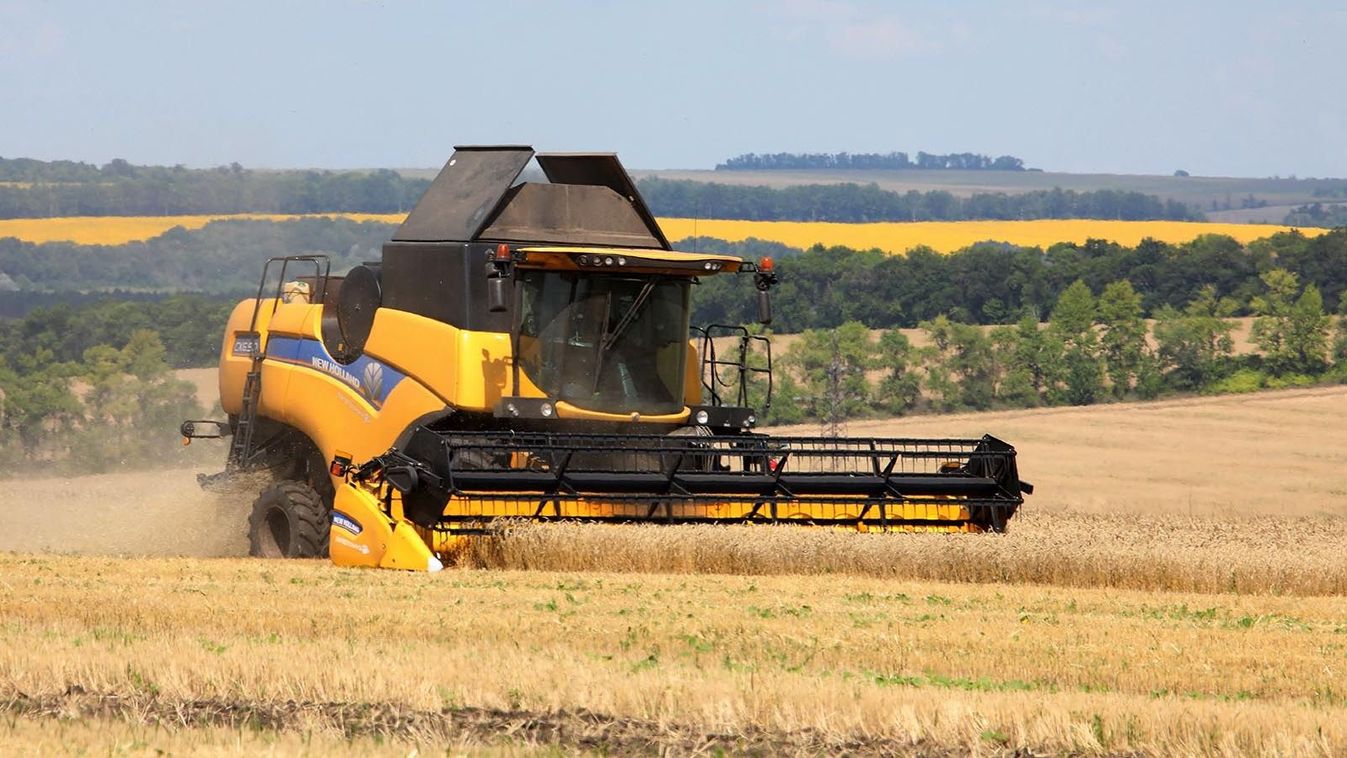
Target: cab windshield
<point>606,343</point>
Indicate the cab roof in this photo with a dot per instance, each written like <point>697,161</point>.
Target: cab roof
<point>588,199</point>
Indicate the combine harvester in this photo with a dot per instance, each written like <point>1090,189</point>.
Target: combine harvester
<point>523,351</point>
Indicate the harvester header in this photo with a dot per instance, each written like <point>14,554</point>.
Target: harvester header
<point>523,350</point>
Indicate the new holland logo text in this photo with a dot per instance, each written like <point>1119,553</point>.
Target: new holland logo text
<point>336,371</point>
<point>346,522</point>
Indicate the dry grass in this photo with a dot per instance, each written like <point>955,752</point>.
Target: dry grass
<point>811,664</point>
<point>1109,620</point>
<point>1265,454</point>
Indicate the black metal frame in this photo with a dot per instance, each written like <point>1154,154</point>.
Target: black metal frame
<point>711,363</point>
<point>672,478</point>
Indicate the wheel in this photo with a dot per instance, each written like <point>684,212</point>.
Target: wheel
<point>289,520</point>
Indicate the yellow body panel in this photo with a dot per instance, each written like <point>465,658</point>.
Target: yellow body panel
<point>234,368</point>
<point>363,535</point>
<point>443,366</point>
<point>566,410</point>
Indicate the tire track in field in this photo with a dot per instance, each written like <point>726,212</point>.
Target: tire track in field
<point>567,730</point>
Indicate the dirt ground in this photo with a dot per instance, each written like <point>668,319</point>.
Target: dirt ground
<point>161,512</point>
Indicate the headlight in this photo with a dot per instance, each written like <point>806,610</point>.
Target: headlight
<point>547,410</point>
<point>703,417</point>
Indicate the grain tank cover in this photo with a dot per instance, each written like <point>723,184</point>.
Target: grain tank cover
<point>465,194</point>
<point>589,199</point>
<point>602,170</point>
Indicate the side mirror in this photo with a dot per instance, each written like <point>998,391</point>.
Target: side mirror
<point>497,292</point>
<point>764,307</point>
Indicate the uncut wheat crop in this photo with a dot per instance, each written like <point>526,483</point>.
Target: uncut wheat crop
<point>1267,555</point>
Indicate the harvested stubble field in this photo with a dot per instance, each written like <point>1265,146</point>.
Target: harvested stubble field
<point>1177,585</point>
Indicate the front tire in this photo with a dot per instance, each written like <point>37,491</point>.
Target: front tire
<point>289,520</point>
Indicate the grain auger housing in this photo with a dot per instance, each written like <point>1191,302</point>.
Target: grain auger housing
<point>523,350</point>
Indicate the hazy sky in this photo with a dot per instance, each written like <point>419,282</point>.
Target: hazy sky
<point>1217,88</point>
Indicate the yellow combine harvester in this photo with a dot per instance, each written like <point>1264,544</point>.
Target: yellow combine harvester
<point>523,351</point>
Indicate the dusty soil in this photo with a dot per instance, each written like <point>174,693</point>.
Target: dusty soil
<point>159,512</point>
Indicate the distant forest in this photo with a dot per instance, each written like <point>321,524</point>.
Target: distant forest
<point>860,203</point>
<point>223,257</point>
<point>987,283</point>
<point>996,283</point>
<point>896,160</point>
<point>1317,214</point>
<point>39,189</point>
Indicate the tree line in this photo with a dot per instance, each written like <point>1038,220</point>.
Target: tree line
<point>868,202</point>
<point>222,257</point>
<point>115,405</point>
<point>188,328</point>
<point>891,160</point>
<point>90,388</point>
<point>1317,214</point>
<point>1094,348</point>
<point>89,385</point>
<point>987,283</point>
<point>38,189</point>
<point>993,283</point>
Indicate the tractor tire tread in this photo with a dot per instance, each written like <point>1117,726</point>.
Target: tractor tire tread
<point>309,515</point>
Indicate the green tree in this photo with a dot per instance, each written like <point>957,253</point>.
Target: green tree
<point>1340,338</point>
<point>146,358</point>
<point>1124,336</point>
<point>961,364</point>
<point>1193,346</point>
<point>787,406</point>
<point>39,407</point>
<point>900,388</point>
<point>1080,370</point>
<point>832,366</point>
<point>1291,330</point>
<point>1020,385</point>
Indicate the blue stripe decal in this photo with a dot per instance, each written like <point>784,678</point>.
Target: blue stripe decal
<point>368,378</point>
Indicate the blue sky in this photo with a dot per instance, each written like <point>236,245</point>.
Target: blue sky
<point>1218,88</point>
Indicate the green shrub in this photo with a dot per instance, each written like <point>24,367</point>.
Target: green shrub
<point>1243,380</point>
<point>1290,380</point>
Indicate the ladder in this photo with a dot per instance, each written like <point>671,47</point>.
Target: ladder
<point>241,446</point>
<point>242,449</point>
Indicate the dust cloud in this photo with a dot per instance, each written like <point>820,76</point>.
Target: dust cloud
<point>154,513</point>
